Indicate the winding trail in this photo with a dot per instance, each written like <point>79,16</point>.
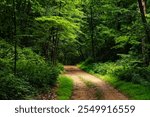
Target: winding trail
<point>83,92</point>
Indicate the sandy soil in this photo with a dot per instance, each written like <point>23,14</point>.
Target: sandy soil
<point>83,92</point>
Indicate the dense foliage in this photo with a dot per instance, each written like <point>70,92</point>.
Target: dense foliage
<point>36,35</point>
<point>128,72</point>
<point>120,35</point>
<point>132,81</point>
<point>33,73</point>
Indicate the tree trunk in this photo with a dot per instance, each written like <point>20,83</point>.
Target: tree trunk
<point>145,41</point>
<point>92,33</point>
<point>14,37</point>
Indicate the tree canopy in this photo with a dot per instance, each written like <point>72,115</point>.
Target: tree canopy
<point>72,31</point>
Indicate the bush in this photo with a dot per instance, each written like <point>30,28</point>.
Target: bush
<point>139,75</point>
<point>102,68</point>
<point>87,65</point>
<point>34,74</point>
<point>60,67</point>
<point>33,69</point>
<point>105,68</point>
<point>13,88</point>
<point>123,70</point>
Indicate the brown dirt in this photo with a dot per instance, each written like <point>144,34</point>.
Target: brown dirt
<point>83,92</point>
<point>51,95</point>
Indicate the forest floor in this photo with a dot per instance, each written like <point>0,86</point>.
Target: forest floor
<point>89,87</point>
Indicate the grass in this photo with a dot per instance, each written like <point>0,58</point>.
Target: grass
<point>98,94</point>
<point>65,87</point>
<point>130,89</point>
<point>90,85</point>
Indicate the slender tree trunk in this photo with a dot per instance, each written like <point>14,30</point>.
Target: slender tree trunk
<point>14,37</point>
<point>55,41</point>
<point>144,6</point>
<point>52,45</point>
<point>92,32</point>
<point>81,53</point>
<point>56,46</point>
<point>45,50</point>
<point>145,41</point>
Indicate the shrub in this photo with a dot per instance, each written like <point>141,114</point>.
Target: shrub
<point>105,68</point>
<point>123,70</point>
<point>139,75</point>
<point>13,88</point>
<point>33,69</point>
<point>34,74</point>
<point>87,65</point>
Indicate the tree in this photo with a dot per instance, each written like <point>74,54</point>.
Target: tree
<point>14,37</point>
<point>145,41</point>
<point>61,25</point>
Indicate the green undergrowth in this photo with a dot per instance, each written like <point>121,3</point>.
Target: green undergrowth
<point>33,76</point>
<point>131,80</point>
<point>65,88</point>
<point>132,90</point>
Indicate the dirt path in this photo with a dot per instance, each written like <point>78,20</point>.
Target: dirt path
<point>88,87</point>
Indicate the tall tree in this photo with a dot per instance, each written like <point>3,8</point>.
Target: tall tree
<point>61,24</point>
<point>146,40</point>
<point>14,36</point>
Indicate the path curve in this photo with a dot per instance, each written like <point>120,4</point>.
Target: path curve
<point>82,92</point>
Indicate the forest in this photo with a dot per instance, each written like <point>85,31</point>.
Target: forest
<point>109,39</point>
